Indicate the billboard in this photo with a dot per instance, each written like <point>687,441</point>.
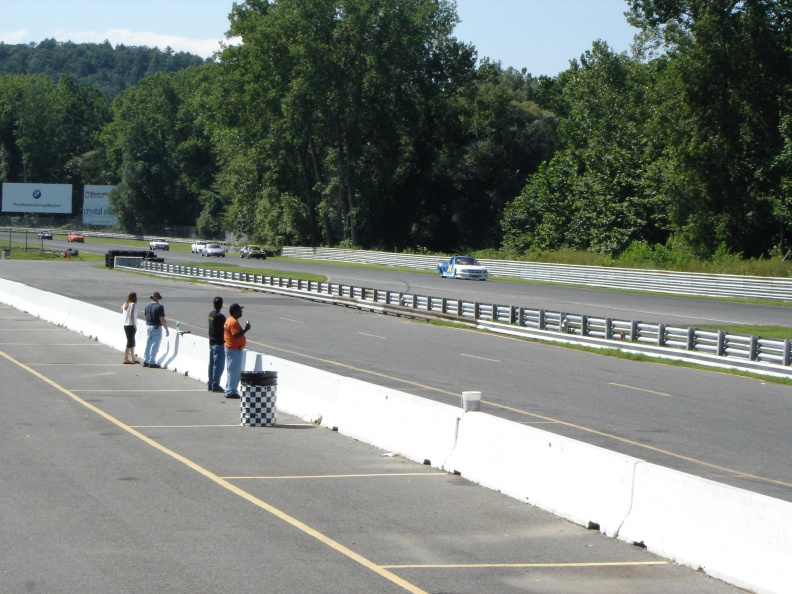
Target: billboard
<point>38,198</point>
<point>96,205</point>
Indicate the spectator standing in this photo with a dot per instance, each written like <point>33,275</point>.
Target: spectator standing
<point>129,311</point>
<point>155,320</point>
<point>216,345</point>
<point>235,341</point>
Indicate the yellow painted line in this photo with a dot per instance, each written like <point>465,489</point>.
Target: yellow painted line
<point>638,389</point>
<point>114,390</point>
<point>326,540</point>
<point>179,426</point>
<point>211,426</point>
<point>337,476</point>
<point>535,416</point>
<point>52,344</point>
<point>372,335</point>
<point>77,364</point>
<point>518,565</point>
<point>480,358</point>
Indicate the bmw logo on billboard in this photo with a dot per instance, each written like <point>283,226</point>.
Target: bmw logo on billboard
<point>36,194</point>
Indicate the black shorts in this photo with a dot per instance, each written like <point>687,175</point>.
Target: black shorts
<point>130,334</point>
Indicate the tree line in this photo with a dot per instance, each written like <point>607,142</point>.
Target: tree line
<point>348,122</point>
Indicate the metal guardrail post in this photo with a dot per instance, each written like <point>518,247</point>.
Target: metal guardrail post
<point>542,320</point>
<point>608,328</point>
<point>476,310</point>
<point>633,330</point>
<point>787,352</point>
<point>584,322</point>
<point>661,335</point>
<point>691,339</point>
<point>753,349</point>
<point>721,348</point>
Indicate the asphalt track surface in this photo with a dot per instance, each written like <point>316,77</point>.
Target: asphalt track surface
<point>115,478</point>
<point>729,429</point>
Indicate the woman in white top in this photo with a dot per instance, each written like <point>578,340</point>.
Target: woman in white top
<point>129,309</point>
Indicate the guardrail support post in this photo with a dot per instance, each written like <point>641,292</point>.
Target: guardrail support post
<point>495,312</point>
<point>476,310</point>
<point>608,328</point>
<point>754,349</point>
<point>513,314</point>
<point>721,343</point>
<point>459,308</point>
<point>691,339</point>
<point>521,317</point>
<point>584,325</point>
<point>443,305</point>
<point>542,321</point>
<point>661,335</point>
<point>787,352</point>
<point>633,331</point>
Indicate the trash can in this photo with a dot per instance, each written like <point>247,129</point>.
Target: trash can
<point>257,405</point>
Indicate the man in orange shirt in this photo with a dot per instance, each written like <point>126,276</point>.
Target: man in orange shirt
<point>234,341</point>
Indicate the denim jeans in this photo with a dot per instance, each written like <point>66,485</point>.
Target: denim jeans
<point>233,369</point>
<point>153,339</point>
<point>216,364</point>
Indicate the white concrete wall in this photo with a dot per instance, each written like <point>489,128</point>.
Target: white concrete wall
<point>735,535</point>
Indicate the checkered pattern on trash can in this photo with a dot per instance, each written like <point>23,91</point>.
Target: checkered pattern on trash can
<point>258,405</point>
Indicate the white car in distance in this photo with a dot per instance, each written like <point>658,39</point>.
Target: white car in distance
<point>213,249</point>
<point>159,244</point>
<point>197,247</point>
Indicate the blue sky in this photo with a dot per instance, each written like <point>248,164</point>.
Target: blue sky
<point>540,35</point>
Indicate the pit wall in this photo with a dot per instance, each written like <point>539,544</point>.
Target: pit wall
<point>735,535</point>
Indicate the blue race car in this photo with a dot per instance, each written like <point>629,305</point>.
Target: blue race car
<point>464,267</point>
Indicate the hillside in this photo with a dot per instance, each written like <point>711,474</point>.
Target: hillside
<point>111,69</point>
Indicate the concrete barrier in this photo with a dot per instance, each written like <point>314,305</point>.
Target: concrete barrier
<point>583,483</point>
<point>413,427</point>
<point>740,537</point>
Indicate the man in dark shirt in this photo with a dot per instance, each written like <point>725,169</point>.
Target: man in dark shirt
<point>155,319</point>
<point>216,346</point>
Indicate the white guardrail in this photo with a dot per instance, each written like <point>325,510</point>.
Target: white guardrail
<point>735,535</point>
<point>707,347</point>
<point>659,281</point>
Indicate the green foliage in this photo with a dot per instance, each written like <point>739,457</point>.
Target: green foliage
<point>163,153</point>
<point>110,70</point>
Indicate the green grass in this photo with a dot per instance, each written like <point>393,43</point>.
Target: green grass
<point>776,332</point>
<point>263,271</point>
<point>18,252</point>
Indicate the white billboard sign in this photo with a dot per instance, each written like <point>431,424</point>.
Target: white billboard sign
<point>96,206</point>
<point>38,198</point>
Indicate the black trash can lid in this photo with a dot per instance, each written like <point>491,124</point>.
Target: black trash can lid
<point>257,377</point>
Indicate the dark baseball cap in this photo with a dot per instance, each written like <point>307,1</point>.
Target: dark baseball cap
<point>235,306</point>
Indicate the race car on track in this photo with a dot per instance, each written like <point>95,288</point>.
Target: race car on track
<point>465,267</point>
<point>252,251</point>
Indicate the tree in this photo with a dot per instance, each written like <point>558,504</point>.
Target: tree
<point>162,152</point>
<point>338,98</point>
<point>730,62</point>
<point>595,193</point>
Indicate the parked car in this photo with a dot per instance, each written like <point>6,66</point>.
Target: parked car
<point>252,251</point>
<point>197,247</point>
<point>464,267</point>
<point>213,249</point>
<point>159,244</point>
<point>75,238</point>
<point>45,235</point>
